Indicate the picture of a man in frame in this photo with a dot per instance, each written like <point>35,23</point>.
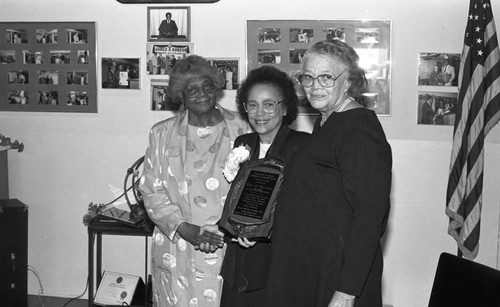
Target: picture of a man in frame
<point>168,27</point>
<point>168,24</point>
<point>437,108</point>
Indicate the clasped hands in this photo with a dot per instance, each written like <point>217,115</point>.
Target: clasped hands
<point>207,238</point>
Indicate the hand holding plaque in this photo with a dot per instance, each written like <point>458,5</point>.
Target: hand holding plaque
<point>249,207</point>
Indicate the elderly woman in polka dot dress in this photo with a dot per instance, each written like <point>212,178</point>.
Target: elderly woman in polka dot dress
<point>184,189</point>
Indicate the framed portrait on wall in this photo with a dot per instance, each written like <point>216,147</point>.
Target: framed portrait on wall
<point>437,108</point>
<point>120,73</point>
<point>160,100</point>
<point>169,24</point>
<point>438,69</point>
<point>48,67</point>
<point>230,69</point>
<point>282,43</point>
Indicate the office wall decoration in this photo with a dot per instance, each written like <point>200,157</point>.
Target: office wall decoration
<point>121,73</point>
<point>438,88</point>
<point>160,100</point>
<point>437,108</point>
<point>161,57</point>
<point>172,24</point>
<point>438,69</point>
<point>283,43</point>
<point>230,69</point>
<point>48,67</point>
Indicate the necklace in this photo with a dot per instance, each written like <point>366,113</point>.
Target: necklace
<point>204,132</point>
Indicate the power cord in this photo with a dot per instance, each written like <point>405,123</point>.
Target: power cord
<point>86,286</point>
<point>40,292</point>
<point>77,297</point>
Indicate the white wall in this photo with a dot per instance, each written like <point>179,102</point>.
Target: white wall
<point>71,159</point>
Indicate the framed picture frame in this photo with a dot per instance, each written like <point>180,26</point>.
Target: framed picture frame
<point>438,69</point>
<point>282,43</point>
<point>116,289</point>
<point>230,69</point>
<point>121,73</point>
<point>48,67</point>
<point>161,57</point>
<point>437,108</point>
<point>169,23</point>
<point>160,100</point>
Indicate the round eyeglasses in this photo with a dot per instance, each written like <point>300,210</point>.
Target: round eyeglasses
<point>208,87</point>
<point>269,106</point>
<point>325,80</point>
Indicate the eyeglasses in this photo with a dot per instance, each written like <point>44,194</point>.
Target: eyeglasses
<point>208,87</point>
<point>325,80</point>
<point>269,106</point>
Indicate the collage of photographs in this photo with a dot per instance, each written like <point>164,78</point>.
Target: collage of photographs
<point>437,88</point>
<point>48,67</point>
<point>283,43</point>
<point>52,66</point>
<point>169,36</point>
<point>67,56</point>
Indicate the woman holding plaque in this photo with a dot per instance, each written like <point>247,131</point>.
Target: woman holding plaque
<point>333,207</point>
<point>268,101</point>
<point>184,190</point>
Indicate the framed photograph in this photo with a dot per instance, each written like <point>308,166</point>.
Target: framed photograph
<point>229,68</point>
<point>301,35</point>
<point>334,33</point>
<point>46,36</point>
<point>121,73</point>
<point>48,67</point>
<point>169,23</point>
<point>18,35</point>
<point>48,77</point>
<point>282,43</point>
<point>7,56</point>
<point>160,101</point>
<point>116,289</point>
<point>269,35</point>
<point>437,108</point>
<point>162,57</point>
<point>18,77</point>
<point>438,69</point>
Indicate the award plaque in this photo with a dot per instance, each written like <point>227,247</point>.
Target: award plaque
<point>249,207</point>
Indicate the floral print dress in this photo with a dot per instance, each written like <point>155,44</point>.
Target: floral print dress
<point>183,182</point>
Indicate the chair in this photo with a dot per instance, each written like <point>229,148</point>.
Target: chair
<point>461,282</point>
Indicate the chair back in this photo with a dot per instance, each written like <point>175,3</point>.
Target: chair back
<point>462,282</point>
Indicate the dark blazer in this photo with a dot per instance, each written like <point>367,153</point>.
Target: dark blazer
<point>427,114</point>
<point>253,263</point>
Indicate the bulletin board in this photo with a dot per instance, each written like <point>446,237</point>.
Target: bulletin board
<point>48,67</point>
<point>282,43</point>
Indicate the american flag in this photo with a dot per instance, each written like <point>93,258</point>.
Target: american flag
<point>477,112</point>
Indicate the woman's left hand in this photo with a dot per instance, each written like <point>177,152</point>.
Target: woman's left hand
<point>244,242</point>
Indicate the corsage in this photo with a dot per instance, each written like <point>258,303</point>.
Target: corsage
<point>237,156</point>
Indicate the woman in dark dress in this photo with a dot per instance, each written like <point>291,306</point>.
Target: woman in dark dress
<point>333,208</point>
<point>268,101</point>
